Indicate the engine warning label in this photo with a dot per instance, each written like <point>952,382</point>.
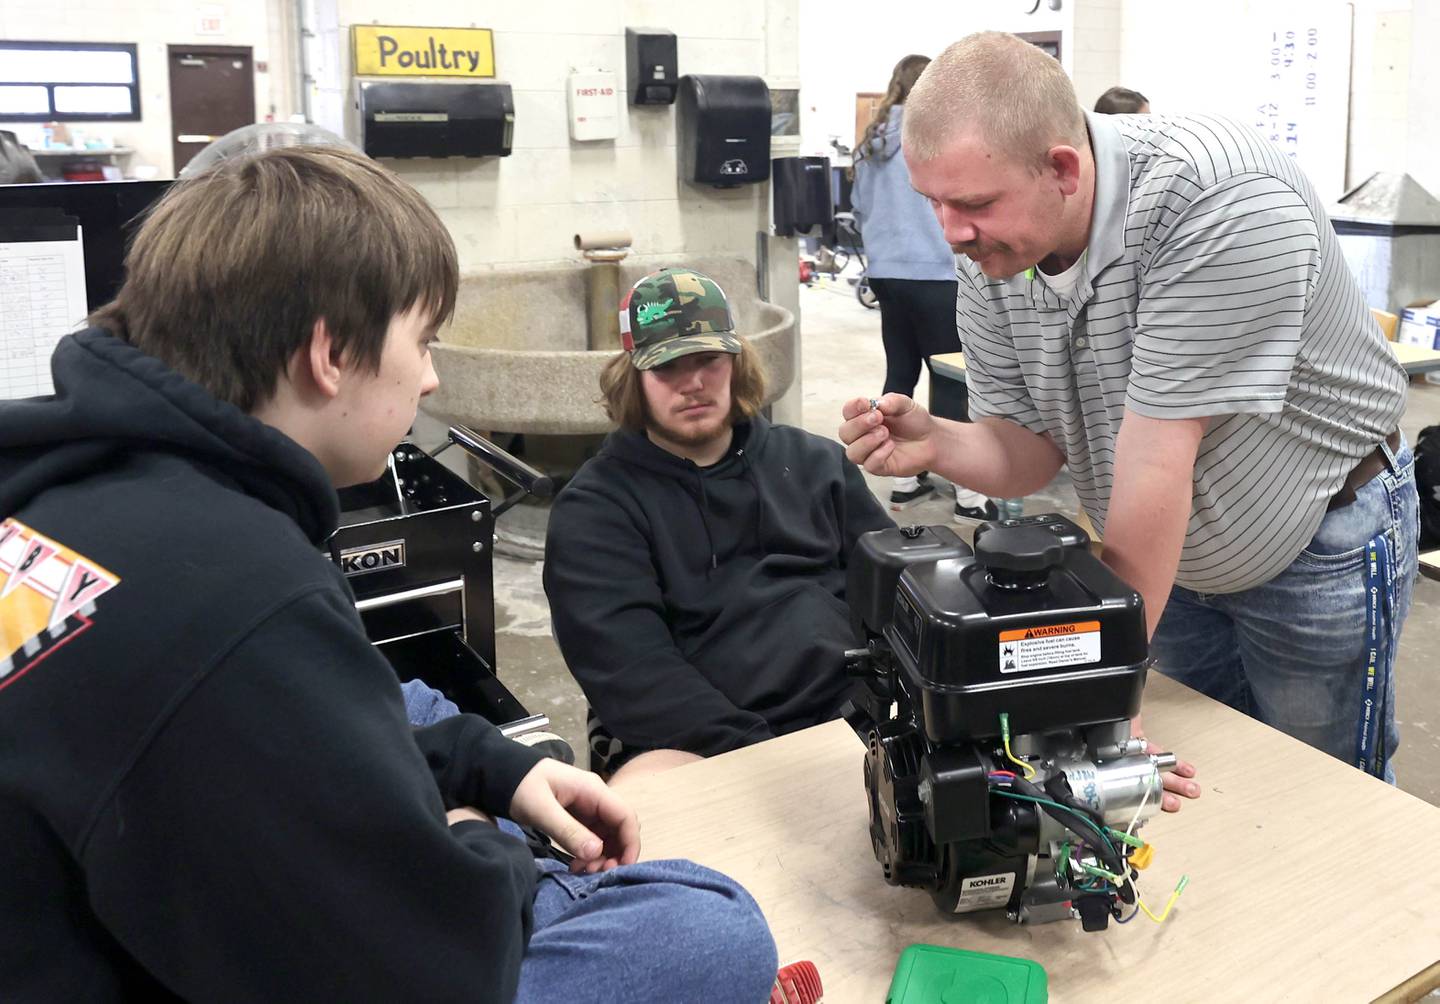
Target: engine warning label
<point>984,891</point>
<point>1049,647</point>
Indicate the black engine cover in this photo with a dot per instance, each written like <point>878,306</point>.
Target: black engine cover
<point>1031,624</point>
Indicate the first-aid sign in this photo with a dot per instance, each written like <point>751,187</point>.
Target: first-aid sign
<point>385,51</point>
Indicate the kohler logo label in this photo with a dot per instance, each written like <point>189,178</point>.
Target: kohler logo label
<point>980,883</point>
<point>373,557</point>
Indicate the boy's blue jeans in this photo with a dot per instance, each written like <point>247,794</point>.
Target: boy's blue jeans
<point>652,931</point>
<point>1295,652</point>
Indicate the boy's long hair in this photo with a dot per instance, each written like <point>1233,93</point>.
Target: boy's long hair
<point>232,268</point>
<point>624,398</point>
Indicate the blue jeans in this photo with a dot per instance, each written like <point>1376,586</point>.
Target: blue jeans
<point>652,931</point>
<point>1293,652</point>
<point>424,705</point>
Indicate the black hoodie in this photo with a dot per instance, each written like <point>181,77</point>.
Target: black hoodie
<point>703,609</point>
<point>208,788</point>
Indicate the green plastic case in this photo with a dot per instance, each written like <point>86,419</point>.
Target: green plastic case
<point>930,974</point>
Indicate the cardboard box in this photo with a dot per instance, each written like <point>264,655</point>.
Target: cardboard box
<point>1420,325</point>
<point>1389,323</point>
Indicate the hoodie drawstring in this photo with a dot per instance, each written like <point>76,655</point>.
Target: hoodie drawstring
<point>703,503</point>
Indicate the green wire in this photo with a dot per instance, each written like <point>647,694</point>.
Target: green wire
<point>1064,808</point>
<point>1101,872</point>
<point>1122,835</point>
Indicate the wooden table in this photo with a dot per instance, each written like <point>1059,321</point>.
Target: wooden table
<point>1415,360</point>
<point>1430,563</point>
<point>1309,881</point>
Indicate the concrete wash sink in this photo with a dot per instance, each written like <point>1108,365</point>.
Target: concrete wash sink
<point>515,358</point>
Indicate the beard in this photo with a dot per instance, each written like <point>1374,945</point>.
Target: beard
<point>675,428</point>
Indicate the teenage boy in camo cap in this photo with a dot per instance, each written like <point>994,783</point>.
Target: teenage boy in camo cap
<point>696,567</point>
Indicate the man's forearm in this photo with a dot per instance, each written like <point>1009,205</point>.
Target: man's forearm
<point>995,456</point>
<point>1150,504</point>
<point>1143,539</point>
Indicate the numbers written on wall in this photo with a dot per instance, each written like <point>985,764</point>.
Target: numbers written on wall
<point>1301,101</point>
<point>1294,73</point>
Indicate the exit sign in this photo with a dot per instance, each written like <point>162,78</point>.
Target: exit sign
<point>210,20</point>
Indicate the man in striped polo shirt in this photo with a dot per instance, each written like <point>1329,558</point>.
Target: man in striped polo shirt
<point>1160,304</point>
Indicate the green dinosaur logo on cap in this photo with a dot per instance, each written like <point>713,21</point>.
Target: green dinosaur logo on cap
<point>649,313</point>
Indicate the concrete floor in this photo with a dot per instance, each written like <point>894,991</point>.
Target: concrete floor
<point>842,357</point>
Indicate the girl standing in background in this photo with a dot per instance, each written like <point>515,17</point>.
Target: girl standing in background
<point>912,271</point>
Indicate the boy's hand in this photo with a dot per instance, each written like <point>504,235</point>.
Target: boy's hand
<point>894,438</point>
<point>579,812</point>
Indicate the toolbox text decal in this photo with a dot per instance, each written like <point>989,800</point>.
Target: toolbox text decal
<point>47,597</point>
<point>1049,647</point>
<point>373,557</point>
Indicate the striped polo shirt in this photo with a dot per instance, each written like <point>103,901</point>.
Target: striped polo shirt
<point>1213,286</point>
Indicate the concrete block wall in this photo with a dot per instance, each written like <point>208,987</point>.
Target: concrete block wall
<point>525,208</point>
<point>1095,50</point>
<point>1379,89</point>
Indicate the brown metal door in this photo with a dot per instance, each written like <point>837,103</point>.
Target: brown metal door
<point>212,90</point>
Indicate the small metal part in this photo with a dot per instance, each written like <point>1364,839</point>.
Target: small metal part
<point>478,547</point>
<point>476,516</point>
<point>874,403</point>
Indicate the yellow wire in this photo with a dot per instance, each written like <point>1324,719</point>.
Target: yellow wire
<point>1029,771</point>
<point>1173,897</point>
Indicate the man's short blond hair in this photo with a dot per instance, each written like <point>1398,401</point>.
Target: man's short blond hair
<point>1012,94</point>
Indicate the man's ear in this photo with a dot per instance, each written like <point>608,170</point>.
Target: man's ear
<point>1065,162</point>
<point>322,357</point>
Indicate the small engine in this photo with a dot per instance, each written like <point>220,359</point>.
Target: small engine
<point>998,688</point>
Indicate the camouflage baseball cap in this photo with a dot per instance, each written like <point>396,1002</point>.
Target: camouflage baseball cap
<point>672,313</point>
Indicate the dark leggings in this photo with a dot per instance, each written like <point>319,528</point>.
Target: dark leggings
<point>917,321</point>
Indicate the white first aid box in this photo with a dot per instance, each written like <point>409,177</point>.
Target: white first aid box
<point>594,102</point>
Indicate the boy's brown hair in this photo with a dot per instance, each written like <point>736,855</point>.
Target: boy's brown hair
<point>624,398</point>
<point>229,272</point>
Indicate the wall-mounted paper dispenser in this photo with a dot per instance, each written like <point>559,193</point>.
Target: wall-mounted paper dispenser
<point>651,72</point>
<point>722,127</point>
<point>436,120</point>
<point>800,188</point>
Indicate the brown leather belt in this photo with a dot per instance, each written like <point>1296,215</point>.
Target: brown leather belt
<point>1373,463</point>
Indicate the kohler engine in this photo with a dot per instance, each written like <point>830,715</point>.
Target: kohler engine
<point>999,685</point>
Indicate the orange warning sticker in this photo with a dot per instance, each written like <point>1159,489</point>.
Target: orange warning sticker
<point>1050,631</point>
<point>1049,647</point>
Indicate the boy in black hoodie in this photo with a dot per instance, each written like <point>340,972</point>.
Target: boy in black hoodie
<point>208,788</point>
<point>696,567</point>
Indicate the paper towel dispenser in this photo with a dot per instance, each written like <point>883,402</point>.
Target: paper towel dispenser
<point>436,119</point>
<point>722,127</point>
<point>800,187</point>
